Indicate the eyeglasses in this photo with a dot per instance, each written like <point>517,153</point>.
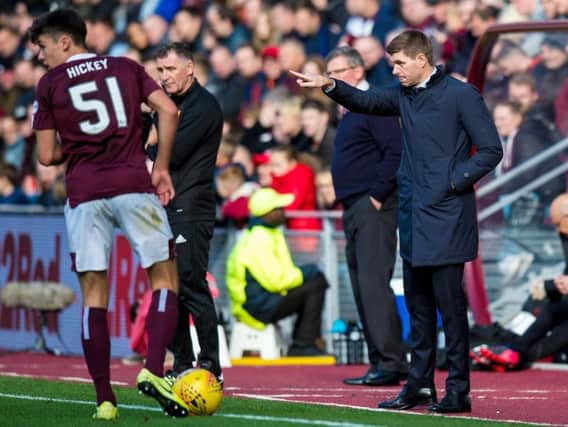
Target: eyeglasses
<point>338,71</point>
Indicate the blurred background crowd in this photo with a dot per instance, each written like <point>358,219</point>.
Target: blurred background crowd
<point>275,133</point>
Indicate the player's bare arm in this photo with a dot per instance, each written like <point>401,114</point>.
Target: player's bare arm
<point>312,80</point>
<point>48,148</point>
<point>167,124</point>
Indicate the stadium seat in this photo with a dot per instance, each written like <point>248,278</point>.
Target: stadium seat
<point>266,342</point>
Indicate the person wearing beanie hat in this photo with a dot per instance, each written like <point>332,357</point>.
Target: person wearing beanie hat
<point>552,69</point>
<point>264,283</point>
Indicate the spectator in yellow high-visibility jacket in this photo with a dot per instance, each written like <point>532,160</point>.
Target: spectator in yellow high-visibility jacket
<point>264,283</point>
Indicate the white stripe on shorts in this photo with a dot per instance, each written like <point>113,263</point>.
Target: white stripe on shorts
<point>86,332</point>
<point>162,302</point>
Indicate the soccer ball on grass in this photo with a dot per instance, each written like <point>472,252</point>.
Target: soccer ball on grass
<point>200,390</point>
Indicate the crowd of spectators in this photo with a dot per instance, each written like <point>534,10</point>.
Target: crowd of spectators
<point>277,134</point>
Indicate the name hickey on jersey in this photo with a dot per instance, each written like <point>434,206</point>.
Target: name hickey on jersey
<point>86,67</point>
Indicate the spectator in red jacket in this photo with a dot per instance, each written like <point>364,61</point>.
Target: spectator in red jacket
<point>291,176</point>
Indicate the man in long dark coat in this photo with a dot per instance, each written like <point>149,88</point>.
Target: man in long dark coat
<point>443,121</point>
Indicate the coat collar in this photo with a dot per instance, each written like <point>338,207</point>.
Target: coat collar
<point>179,99</point>
<point>432,81</point>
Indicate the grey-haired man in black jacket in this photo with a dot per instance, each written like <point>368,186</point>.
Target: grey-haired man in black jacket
<point>192,211</point>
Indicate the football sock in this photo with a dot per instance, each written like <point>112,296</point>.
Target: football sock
<point>96,347</point>
<point>161,325</point>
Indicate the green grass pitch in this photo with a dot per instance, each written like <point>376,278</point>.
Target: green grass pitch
<point>32,402</point>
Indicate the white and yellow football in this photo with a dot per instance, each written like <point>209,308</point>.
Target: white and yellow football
<point>200,390</point>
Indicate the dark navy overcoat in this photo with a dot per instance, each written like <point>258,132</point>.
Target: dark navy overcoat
<point>441,124</point>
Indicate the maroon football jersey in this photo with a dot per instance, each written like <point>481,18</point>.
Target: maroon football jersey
<point>93,102</point>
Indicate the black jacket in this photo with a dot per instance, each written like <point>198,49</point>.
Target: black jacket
<point>192,164</point>
<point>537,133</point>
<point>366,158</point>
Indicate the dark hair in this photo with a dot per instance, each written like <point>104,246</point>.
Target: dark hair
<point>58,22</point>
<point>223,11</point>
<point>192,10</point>
<point>12,30</point>
<point>514,106</point>
<point>510,50</point>
<point>352,55</point>
<point>181,49</point>
<point>9,171</point>
<point>523,79</point>
<point>231,171</point>
<point>412,43</point>
<point>314,104</point>
<point>308,5</point>
<point>201,60</point>
<point>485,13</point>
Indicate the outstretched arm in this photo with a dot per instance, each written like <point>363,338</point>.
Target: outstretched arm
<point>384,102</point>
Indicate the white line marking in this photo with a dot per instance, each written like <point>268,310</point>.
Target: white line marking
<point>226,415</point>
<point>323,389</point>
<point>74,401</point>
<point>364,408</point>
<point>277,419</point>
<point>299,421</point>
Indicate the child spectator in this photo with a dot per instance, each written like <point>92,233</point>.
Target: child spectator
<point>291,176</point>
<point>263,170</point>
<point>10,191</point>
<point>235,193</point>
<point>243,156</point>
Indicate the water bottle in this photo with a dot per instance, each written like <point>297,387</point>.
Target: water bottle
<point>339,341</point>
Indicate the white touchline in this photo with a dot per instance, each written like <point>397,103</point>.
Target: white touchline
<point>78,402</point>
<point>301,421</point>
<point>265,418</point>
<point>238,416</point>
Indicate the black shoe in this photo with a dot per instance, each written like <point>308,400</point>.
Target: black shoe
<point>453,402</point>
<point>171,377</point>
<point>409,398</point>
<point>375,378</point>
<point>305,350</point>
<point>215,370</point>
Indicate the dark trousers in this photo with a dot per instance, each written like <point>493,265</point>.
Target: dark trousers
<point>194,297</point>
<point>371,255</point>
<point>307,302</point>
<point>425,289</point>
<point>548,333</point>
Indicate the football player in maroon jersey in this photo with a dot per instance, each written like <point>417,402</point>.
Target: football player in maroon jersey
<point>93,104</point>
